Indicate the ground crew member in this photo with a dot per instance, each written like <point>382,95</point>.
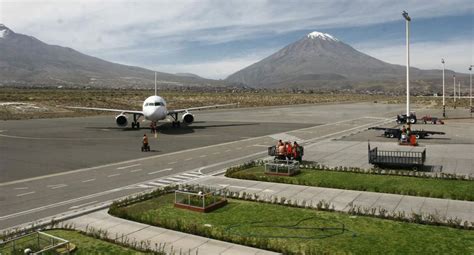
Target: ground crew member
<point>145,143</point>
<point>289,151</point>
<point>296,154</point>
<point>281,151</point>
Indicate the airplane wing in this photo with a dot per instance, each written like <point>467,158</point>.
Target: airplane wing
<point>198,108</point>
<point>105,109</point>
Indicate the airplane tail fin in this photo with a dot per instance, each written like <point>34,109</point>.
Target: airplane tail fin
<point>155,83</point>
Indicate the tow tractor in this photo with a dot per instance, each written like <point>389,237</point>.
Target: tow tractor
<point>402,119</point>
<point>397,133</point>
<point>432,120</point>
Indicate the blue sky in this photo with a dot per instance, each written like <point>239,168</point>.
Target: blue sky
<point>216,38</point>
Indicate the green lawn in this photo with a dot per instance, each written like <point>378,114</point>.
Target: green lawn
<point>416,186</point>
<point>85,245</point>
<point>294,230</point>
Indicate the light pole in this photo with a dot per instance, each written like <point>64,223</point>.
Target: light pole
<point>408,19</point>
<point>470,89</point>
<point>444,103</point>
<point>454,95</point>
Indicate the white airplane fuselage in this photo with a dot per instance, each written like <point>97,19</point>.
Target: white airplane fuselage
<point>154,108</point>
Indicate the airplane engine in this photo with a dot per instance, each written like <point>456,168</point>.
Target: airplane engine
<point>121,120</point>
<point>187,118</point>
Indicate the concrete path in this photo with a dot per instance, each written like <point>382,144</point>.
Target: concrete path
<point>342,199</point>
<point>174,241</point>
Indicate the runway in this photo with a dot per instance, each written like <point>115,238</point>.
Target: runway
<point>74,170</point>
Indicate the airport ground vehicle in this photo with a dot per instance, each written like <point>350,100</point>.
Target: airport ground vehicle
<point>402,119</point>
<point>397,133</point>
<point>397,159</point>
<point>432,120</point>
<point>145,147</point>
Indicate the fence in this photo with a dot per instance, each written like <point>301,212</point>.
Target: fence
<point>37,243</point>
<point>282,167</point>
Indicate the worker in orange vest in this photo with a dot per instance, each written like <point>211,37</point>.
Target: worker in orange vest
<point>289,151</point>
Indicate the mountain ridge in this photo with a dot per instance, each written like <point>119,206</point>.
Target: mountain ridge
<point>29,61</point>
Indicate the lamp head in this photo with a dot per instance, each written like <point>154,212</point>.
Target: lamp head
<point>442,61</point>
<point>405,15</point>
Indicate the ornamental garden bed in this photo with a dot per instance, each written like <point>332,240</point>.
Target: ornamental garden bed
<point>402,182</point>
<point>199,199</point>
<point>281,226</point>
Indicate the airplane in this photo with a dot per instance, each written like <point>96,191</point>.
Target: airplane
<point>153,109</point>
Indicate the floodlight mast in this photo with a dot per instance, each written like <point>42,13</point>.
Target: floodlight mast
<point>454,94</point>
<point>470,89</point>
<point>444,102</point>
<point>408,19</point>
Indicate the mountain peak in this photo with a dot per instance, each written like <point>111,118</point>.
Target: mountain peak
<point>323,36</point>
<point>4,31</point>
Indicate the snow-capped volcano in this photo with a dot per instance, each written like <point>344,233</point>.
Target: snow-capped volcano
<point>324,36</point>
<point>319,59</point>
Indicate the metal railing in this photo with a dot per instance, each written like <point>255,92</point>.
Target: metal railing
<point>288,167</point>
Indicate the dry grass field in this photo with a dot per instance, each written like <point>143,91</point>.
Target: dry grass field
<point>16,103</point>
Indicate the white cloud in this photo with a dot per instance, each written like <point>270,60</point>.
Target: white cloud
<point>219,69</point>
<point>101,24</point>
<point>458,54</point>
<point>113,28</point>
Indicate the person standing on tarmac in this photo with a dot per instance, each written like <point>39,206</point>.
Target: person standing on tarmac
<point>145,145</point>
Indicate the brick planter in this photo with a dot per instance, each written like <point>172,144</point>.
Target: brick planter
<point>206,209</point>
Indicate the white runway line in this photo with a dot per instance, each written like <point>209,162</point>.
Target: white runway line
<point>57,186</point>
<point>156,184</point>
<point>191,175</point>
<point>174,162</point>
<point>112,175</point>
<point>174,179</point>
<point>159,171</point>
<point>203,156</point>
<point>188,159</point>
<point>89,180</point>
<point>125,167</point>
<point>216,153</point>
<point>136,170</point>
<point>21,188</point>
<point>81,205</point>
<point>24,194</point>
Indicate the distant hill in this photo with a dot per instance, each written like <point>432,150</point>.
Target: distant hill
<point>28,61</point>
<point>320,60</point>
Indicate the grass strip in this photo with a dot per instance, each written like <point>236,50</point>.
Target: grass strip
<point>296,230</point>
<point>415,186</point>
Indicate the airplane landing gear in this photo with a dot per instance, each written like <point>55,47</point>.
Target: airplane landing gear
<point>135,123</point>
<point>175,122</point>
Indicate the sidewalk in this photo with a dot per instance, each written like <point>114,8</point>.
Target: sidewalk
<point>178,242</point>
<point>342,199</point>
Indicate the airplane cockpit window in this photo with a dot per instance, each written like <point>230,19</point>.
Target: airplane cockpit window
<point>157,104</point>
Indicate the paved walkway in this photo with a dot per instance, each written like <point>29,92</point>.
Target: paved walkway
<point>342,199</point>
<point>178,242</point>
